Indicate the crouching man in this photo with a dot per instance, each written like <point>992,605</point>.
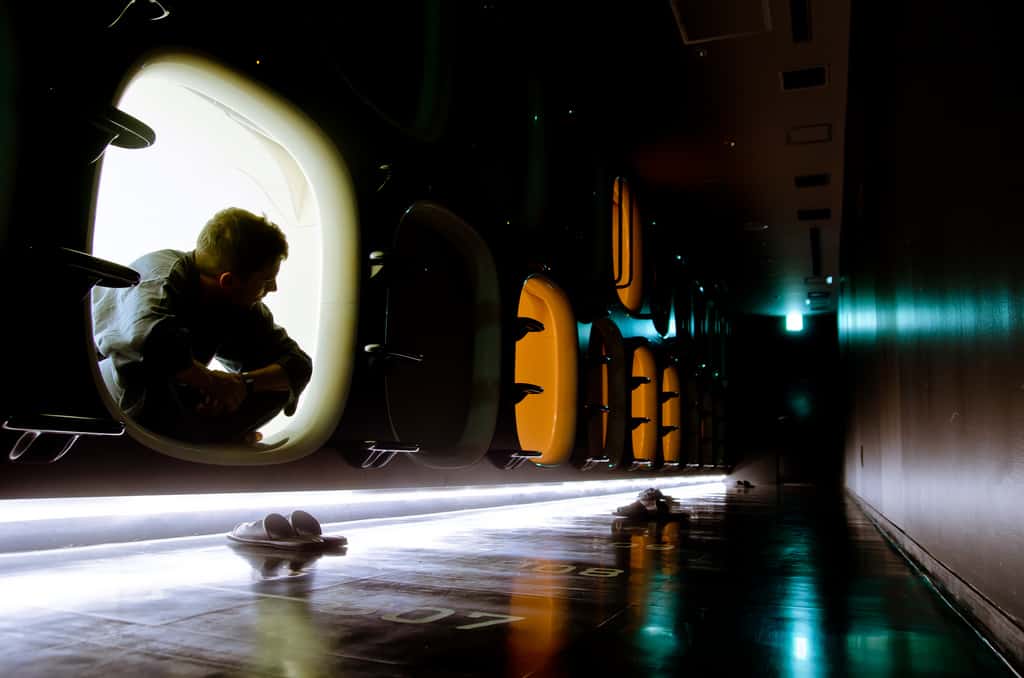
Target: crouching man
<point>156,340</point>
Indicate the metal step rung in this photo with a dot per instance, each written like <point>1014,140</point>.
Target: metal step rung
<point>522,390</point>
<point>382,351</point>
<point>637,382</point>
<point>63,423</point>
<point>66,429</point>
<point>377,261</point>
<point>103,273</point>
<point>636,422</point>
<point>527,454</point>
<point>510,460</point>
<point>380,453</point>
<point>591,462</point>
<point>525,326</point>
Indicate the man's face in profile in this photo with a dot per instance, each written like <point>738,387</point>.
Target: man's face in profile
<point>251,290</point>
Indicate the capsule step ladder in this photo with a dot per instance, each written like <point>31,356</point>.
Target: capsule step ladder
<point>510,460</point>
<point>525,326</point>
<point>592,462</point>
<point>380,353</point>
<point>379,453</point>
<point>520,391</point>
<point>45,438</point>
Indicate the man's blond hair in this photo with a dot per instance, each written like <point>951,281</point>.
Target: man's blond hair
<point>238,241</point>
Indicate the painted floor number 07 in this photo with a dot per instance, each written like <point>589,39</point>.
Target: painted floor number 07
<point>427,615</point>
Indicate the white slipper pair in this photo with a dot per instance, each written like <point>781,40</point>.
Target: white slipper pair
<point>299,532</point>
<point>650,503</point>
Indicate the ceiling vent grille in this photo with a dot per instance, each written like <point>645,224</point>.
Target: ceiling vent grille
<point>804,78</point>
<point>812,180</point>
<point>823,214</point>
<point>809,134</point>
<point>816,252</point>
<point>800,20</point>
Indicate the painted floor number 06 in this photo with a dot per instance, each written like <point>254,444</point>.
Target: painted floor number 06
<point>554,568</point>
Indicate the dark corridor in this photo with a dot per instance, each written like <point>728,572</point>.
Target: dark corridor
<point>760,254</point>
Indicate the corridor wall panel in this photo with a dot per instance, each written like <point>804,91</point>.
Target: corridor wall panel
<point>932,302</point>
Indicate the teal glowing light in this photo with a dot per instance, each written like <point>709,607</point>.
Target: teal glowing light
<point>828,280</point>
<point>659,631</point>
<point>800,650</point>
<point>583,334</point>
<point>794,321</point>
<point>536,118</point>
<point>635,327</point>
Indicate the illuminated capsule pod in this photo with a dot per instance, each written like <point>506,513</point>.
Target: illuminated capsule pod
<point>627,247</point>
<point>670,429</point>
<point>604,402</point>
<point>719,429</point>
<point>691,421</point>
<point>438,356</point>
<point>545,379</point>
<point>645,406</point>
<point>683,314</point>
<point>411,95</point>
<point>663,269</point>
<point>707,429</point>
<point>225,140</point>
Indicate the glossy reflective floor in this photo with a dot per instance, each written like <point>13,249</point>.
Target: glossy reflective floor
<point>743,582</point>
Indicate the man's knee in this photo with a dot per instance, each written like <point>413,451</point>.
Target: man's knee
<point>173,413</point>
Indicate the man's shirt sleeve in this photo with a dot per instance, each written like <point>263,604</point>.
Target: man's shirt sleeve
<point>140,325</point>
<point>260,342</point>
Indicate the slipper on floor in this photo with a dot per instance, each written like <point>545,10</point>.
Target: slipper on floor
<point>305,525</point>
<point>273,531</point>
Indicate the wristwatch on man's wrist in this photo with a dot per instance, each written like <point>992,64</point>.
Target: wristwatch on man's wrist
<point>250,383</point>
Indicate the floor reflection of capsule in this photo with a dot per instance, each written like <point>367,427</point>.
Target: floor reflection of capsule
<point>544,632</point>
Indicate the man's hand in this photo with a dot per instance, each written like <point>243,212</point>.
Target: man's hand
<point>223,393</point>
